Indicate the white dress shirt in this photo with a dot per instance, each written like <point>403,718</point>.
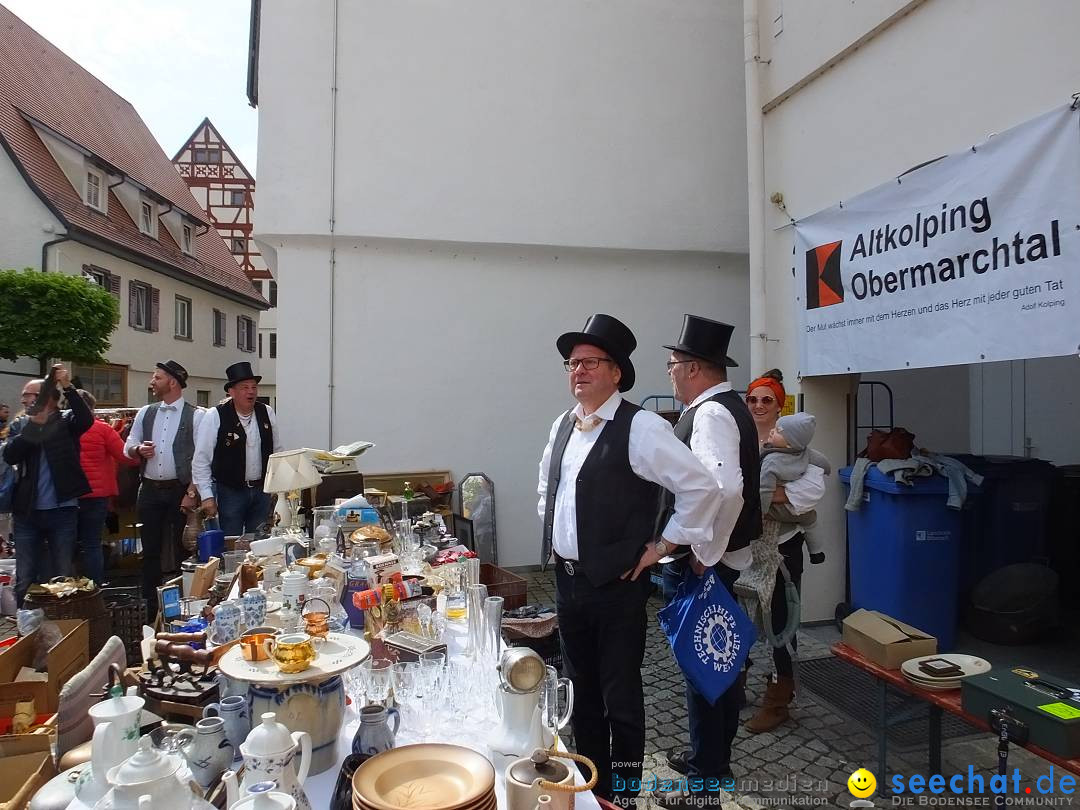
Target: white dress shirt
<point>655,455</point>
<point>161,466</point>
<point>715,442</point>
<point>206,441</point>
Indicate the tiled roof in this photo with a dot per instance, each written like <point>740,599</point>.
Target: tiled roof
<point>38,81</point>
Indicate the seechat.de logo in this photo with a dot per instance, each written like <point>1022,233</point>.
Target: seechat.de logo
<point>824,286</point>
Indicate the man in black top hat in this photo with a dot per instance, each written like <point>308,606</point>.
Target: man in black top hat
<point>162,438</point>
<point>601,475</point>
<point>718,429</point>
<point>231,451</point>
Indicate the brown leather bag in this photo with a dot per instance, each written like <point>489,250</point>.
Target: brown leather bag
<point>897,443</point>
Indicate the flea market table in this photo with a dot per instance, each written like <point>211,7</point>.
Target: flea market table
<point>938,702</point>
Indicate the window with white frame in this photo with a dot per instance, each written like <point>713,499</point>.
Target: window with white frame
<point>245,333</point>
<point>186,239</point>
<point>94,195</point>
<point>273,345</point>
<point>183,318</point>
<point>141,306</point>
<point>273,294</point>
<point>147,218</point>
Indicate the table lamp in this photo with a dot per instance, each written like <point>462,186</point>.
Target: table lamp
<point>287,473</point>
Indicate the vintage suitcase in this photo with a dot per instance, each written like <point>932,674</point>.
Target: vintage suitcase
<point>1049,706</point>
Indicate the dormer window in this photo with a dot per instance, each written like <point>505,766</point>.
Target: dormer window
<point>94,192</point>
<point>147,218</point>
<point>186,239</point>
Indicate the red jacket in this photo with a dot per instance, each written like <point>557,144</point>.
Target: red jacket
<point>101,449</point>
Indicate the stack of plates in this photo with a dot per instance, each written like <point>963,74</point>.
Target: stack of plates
<point>969,664</point>
<point>431,776</point>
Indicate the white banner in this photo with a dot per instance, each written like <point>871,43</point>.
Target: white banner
<point>973,258</point>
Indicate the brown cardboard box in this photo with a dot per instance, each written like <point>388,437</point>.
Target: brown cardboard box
<point>885,640</point>
<point>27,765</point>
<point>68,656</point>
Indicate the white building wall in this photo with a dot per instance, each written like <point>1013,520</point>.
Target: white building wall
<point>445,353</point>
<point>140,350</point>
<point>938,79</point>
<point>502,171</point>
<point>25,221</point>
<point>616,123</point>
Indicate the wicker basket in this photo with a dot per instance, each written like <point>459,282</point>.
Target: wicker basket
<point>86,605</point>
<point>128,610</point>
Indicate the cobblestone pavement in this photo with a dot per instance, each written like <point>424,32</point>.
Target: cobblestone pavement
<point>805,762</point>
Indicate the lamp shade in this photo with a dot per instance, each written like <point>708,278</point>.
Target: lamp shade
<point>289,470</point>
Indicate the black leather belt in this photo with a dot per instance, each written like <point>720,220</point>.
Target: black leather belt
<point>571,568</point>
<point>253,483</point>
<point>170,484</point>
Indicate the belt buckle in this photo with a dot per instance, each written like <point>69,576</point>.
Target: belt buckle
<point>568,566</point>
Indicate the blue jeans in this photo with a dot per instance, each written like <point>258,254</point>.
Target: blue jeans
<point>242,509</point>
<point>712,726</point>
<point>44,546</point>
<point>91,523</point>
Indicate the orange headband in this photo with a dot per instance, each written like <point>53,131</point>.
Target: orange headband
<point>772,383</point>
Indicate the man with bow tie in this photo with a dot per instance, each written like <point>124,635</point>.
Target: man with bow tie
<point>163,438</point>
<point>601,476</point>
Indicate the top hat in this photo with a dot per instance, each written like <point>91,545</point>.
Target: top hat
<point>238,372</point>
<point>705,339</point>
<point>175,370</point>
<point>609,334</point>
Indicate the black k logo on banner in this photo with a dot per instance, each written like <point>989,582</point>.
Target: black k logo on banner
<point>823,285</point>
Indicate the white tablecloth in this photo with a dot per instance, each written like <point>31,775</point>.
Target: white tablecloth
<point>319,788</point>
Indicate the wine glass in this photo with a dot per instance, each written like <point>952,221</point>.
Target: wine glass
<point>376,676</point>
<point>405,675</point>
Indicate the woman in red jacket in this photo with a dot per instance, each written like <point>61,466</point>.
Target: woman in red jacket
<point>101,449</point>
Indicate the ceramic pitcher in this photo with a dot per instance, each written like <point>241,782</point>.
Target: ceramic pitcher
<point>375,735</point>
<point>116,737</point>
<point>210,753</point>
<point>237,716</point>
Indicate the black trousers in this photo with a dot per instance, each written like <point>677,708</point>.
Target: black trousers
<point>158,508</point>
<point>792,552</point>
<point>603,644</point>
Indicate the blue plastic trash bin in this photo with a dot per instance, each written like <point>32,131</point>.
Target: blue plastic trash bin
<point>904,552</point>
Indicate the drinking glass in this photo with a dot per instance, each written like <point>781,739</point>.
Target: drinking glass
<point>493,610</point>
<point>405,676</point>
<point>376,676</point>
<point>432,689</point>
<point>476,595</point>
<point>231,560</point>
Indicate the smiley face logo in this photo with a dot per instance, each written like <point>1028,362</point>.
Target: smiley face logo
<point>862,784</point>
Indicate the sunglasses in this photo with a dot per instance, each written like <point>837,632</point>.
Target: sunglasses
<point>762,400</point>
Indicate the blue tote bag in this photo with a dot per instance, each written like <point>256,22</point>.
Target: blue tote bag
<point>709,633</point>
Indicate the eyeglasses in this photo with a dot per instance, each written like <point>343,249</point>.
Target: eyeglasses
<point>762,400</point>
<point>672,363</point>
<point>587,363</point>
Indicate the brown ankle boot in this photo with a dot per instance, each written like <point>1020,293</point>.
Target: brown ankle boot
<point>774,707</point>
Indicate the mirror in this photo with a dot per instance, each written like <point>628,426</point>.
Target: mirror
<point>476,496</point>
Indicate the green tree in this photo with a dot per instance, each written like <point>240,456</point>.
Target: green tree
<point>46,315</point>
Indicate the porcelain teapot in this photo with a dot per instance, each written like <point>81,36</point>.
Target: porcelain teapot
<point>269,754</point>
<point>148,776</point>
<point>264,796</point>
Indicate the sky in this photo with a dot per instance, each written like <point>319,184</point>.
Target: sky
<point>176,62</point>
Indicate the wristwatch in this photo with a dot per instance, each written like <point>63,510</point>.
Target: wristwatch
<point>663,547</point>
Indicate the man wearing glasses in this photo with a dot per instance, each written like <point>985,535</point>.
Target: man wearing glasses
<point>601,476</point>
<point>718,428</point>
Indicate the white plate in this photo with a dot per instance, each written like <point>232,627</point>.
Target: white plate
<point>943,686</point>
<point>273,606</point>
<point>970,664</point>
<point>339,652</point>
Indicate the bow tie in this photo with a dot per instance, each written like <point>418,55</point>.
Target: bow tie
<point>168,407</point>
<point>586,424</point>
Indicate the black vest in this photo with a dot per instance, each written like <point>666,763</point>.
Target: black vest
<point>615,509</point>
<point>230,452</point>
<point>748,526</point>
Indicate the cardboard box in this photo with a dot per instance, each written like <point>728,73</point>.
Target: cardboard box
<point>26,762</point>
<point>885,640</point>
<point>67,657</point>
